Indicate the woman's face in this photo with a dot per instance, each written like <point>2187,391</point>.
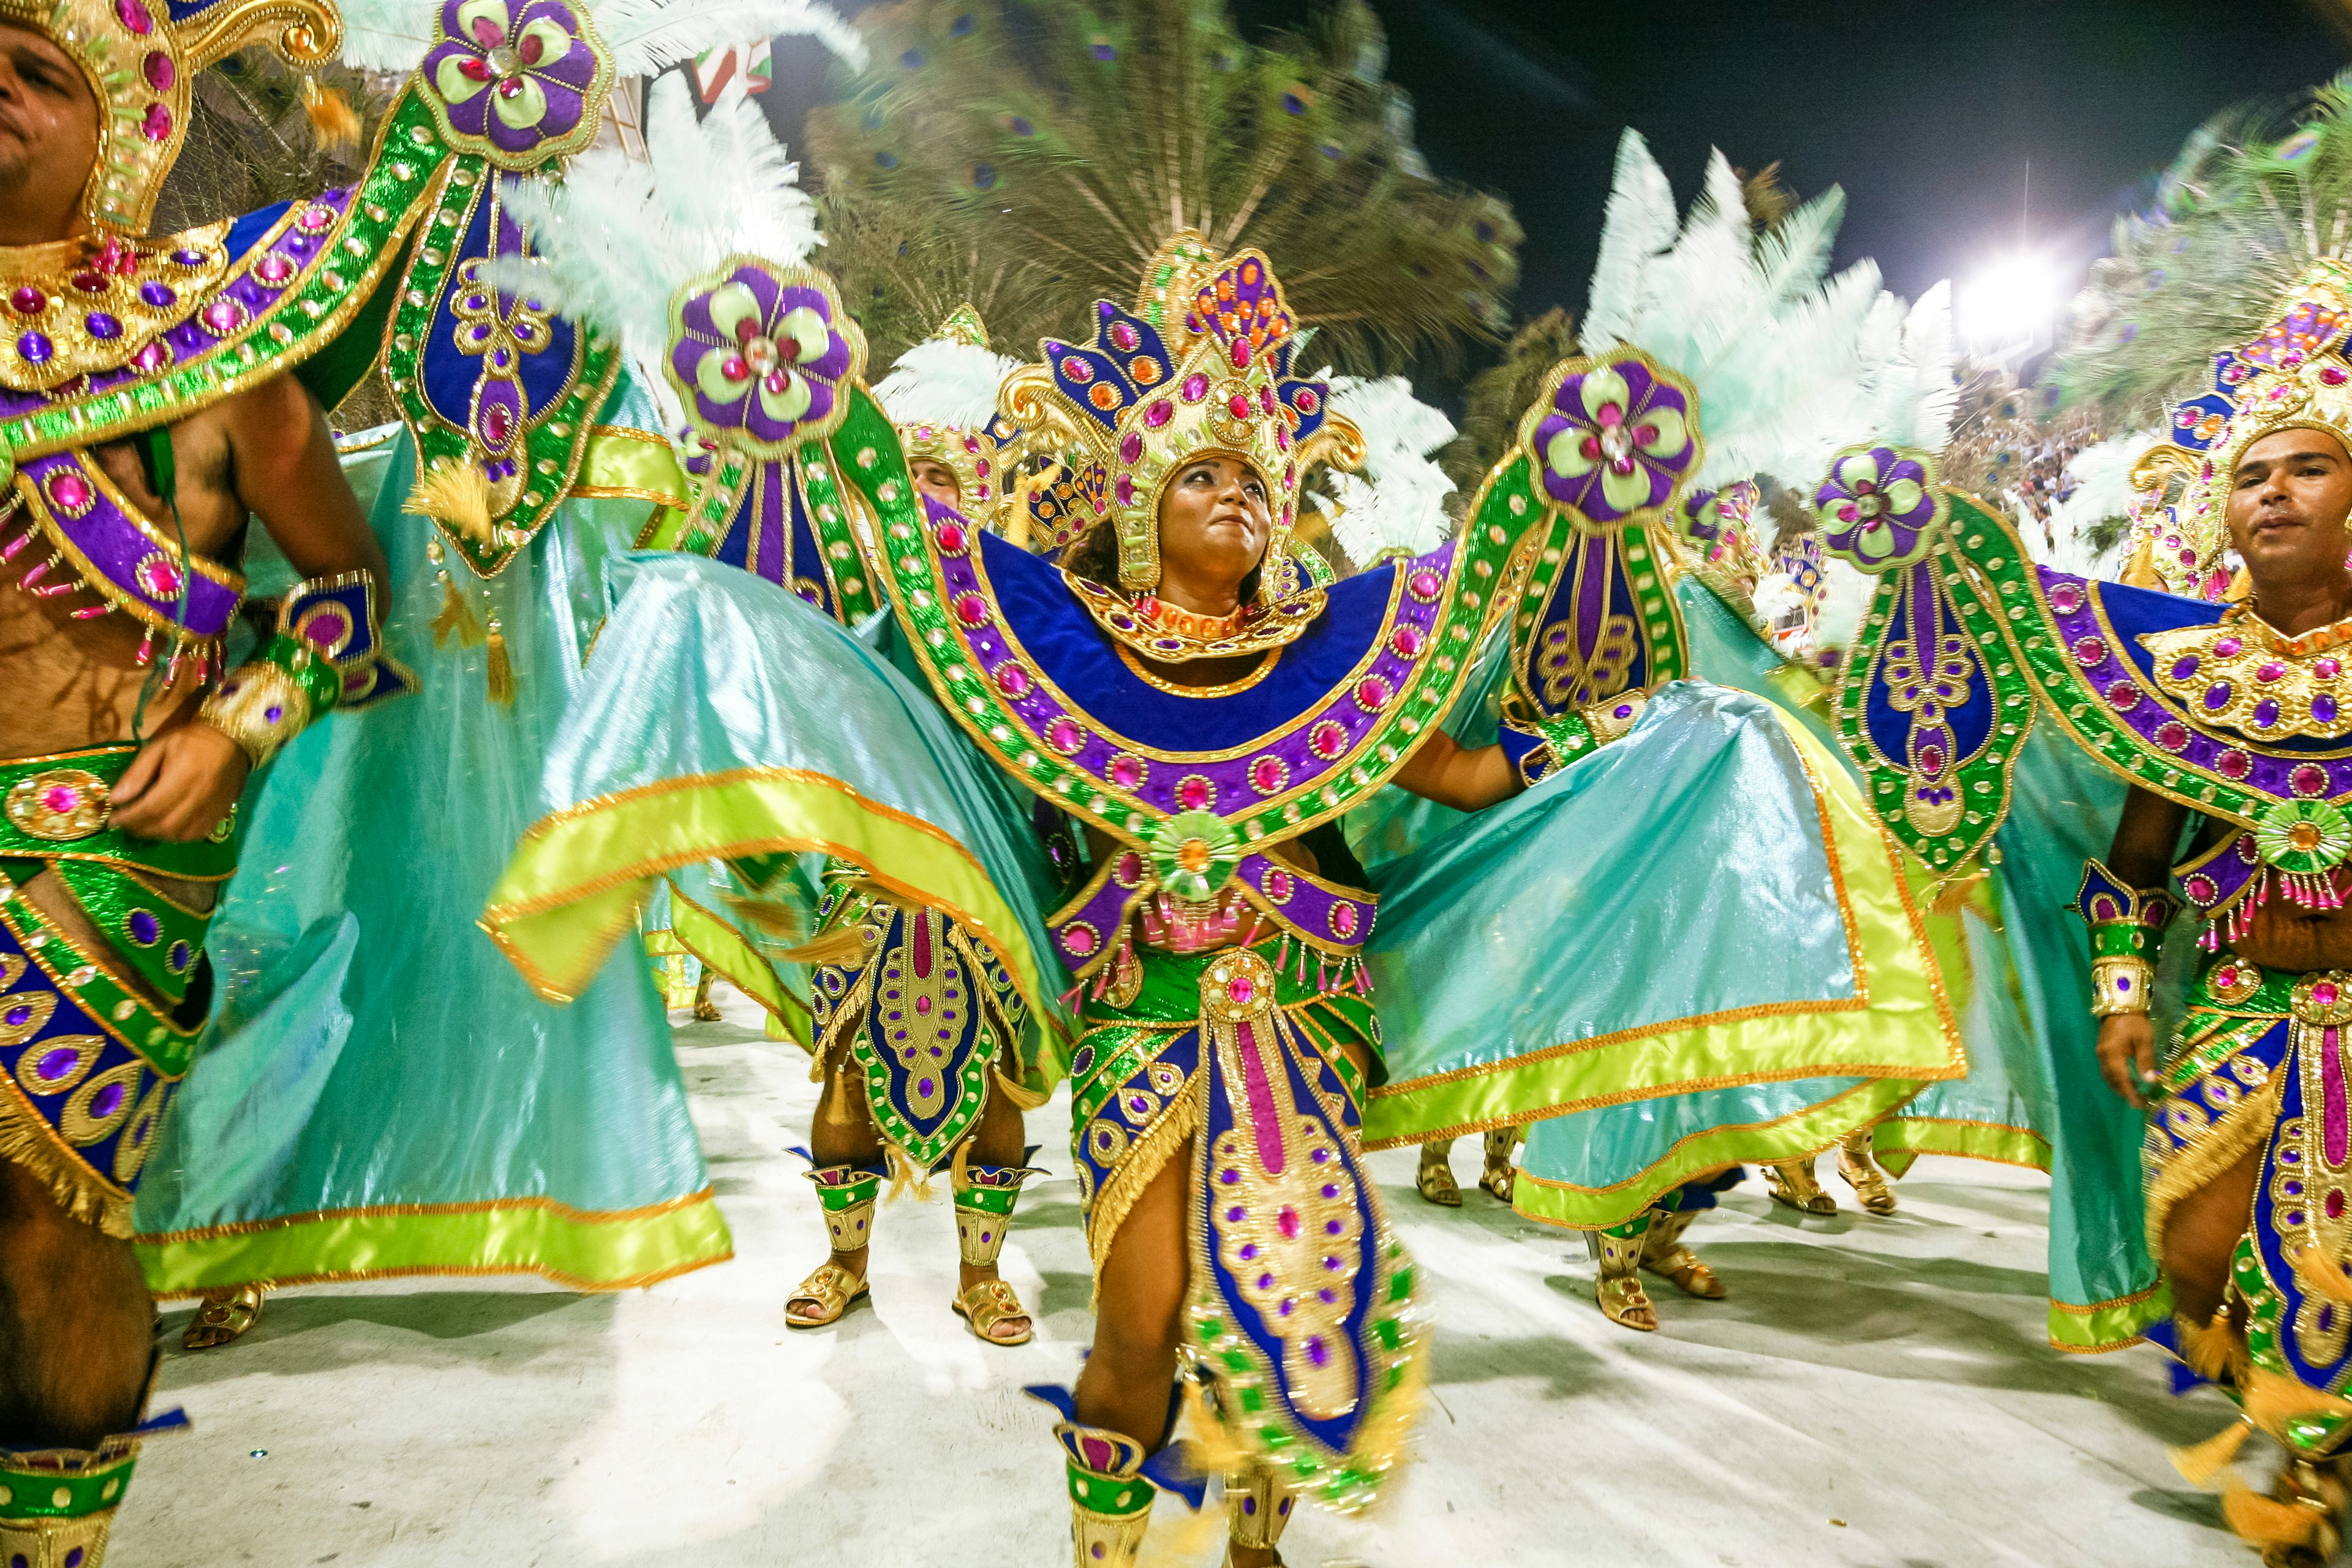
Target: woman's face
<point>937,480</point>
<point>1215,521</point>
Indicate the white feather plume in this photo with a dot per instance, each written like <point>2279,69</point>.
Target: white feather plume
<point>616,237</point>
<point>644,36</point>
<point>1398,502</point>
<point>944,381</point>
<point>1790,363</point>
<point>2102,489</point>
<point>1846,592</point>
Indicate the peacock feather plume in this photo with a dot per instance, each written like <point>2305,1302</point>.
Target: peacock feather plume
<point>1032,155</point>
<point>2253,199</point>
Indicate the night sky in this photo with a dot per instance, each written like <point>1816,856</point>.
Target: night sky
<point>1927,111</point>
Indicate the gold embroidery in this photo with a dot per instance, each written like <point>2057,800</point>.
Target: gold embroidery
<point>2231,673</point>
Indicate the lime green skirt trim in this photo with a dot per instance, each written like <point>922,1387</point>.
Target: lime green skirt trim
<point>582,1249</point>
<point>578,879</point>
<point>1797,1137</point>
<point>1901,1140</point>
<point>1899,1027</point>
<point>2108,1325</point>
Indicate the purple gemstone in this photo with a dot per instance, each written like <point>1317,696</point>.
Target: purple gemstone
<point>108,1102</point>
<point>1229,1176</point>
<point>2217,697</point>
<point>2323,709</point>
<point>273,713</point>
<point>1249,1250</point>
<point>1322,1156</point>
<point>14,1017</point>
<point>923,1086</point>
<point>1316,1351</point>
<point>56,1064</point>
<point>34,348</point>
<point>2267,713</point>
<point>1332,1227</point>
<point>145,929</point>
<point>189,258</point>
<point>1331,1189</point>
<point>157,294</point>
<point>103,325</point>
<point>180,956</point>
<point>1233,1215</point>
<point>2182,668</point>
<point>1284,1310</point>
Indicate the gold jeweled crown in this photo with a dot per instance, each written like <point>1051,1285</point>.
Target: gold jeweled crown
<point>141,64</point>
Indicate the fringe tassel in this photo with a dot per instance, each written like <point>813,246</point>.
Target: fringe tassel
<point>836,1109</point>
<point>2214,1352</point>
<point>500,671</point>
<point>456,494</point>
<point>2271,1401</point>
<point>455,617</point>
<point>842,945</point>
<point>2266,1522</point>
<point>2323,1275</point>
<point>25,1139</point>
<point>2199,1463</point>
<point>333,117</point>
<point>960,1172</point>
<point>772,918</point>
<point>905,1178</point>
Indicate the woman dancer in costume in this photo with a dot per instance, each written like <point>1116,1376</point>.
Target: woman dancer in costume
<point>1215,939</point>
<point>398,1141</point>
<point>125,494</point>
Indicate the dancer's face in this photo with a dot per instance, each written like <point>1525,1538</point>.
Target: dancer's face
<point>2288,501</point>
<point>937,480</point>
<point>49,138</point>
<point>1213,524</point>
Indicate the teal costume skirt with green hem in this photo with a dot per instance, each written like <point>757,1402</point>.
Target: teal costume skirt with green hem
<point>379,1092</point>
<point>89,1063</point>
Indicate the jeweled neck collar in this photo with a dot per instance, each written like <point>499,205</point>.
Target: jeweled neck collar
<point>1166,635</point>
<point>78,307</point>
<point>2248,622</point>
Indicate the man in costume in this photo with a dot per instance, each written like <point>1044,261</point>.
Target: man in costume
<point>128,496</point>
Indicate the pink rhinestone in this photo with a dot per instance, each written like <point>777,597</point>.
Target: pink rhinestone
<point>158,69</point>
<point>1372,693</point>
<point>1064,736</point>
<point>2271,669</point>
<point>1193,794</point>
<point>156,126</point>
<point>1407,641</point>
<point>2324,993</point>
<point>68,492</point>
<point>2327,668</point>
<point>28,300</point>
<point>1078,940</point>
<point>971,609</point>
<point>1424,583</point>
<point>1239,990</point>
<point>1126,772</point>
<point>2309,779</point>
<point>59,799</point>
<point>1343,919</point>
<point>1195,387</point>
<point>223,315</point>
<point>133,15</point>
<point>274,269</point>
<point>1013,680</point>
<point>2226,646</point>
<point>951,538</point>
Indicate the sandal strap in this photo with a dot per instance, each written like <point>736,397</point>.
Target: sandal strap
<point>832,1287</point>
<point>988,1302</point>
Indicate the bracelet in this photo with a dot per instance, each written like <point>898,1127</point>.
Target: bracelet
<point>266,702</point>
<point>2127,927</point>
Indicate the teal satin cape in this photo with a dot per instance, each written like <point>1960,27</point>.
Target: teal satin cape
<point>379,1092</point>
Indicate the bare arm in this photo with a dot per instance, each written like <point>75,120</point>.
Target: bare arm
<point>283,470</point>
<point>2147,836</point>
<point>1451,775</point>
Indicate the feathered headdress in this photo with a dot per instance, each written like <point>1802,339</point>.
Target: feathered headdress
<point>942,396</point>
<point>142,57</point>
<point>1396,506</point>
<point>1141,399</point>
<point>1788,363</point>
<point>641,36</point>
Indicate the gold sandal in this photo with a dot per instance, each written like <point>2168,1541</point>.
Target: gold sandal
<point>1618,1288</point>
<point>1863,1174</point>
<point>1793,1184</point>
<point>1434,1180</point>
<point>1500,1177</point>
<point>986,1303</point>
<point>1664,1253</point>
<point>832,1288</point>
<point>223,1318</point>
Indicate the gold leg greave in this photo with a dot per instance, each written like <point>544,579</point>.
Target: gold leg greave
<point>1110,1502</point>
<point>1433,1180</point>
<point>1618,1290</point>
<point>1500,1176</point>
<point>1793,1185</point>
<point>1860,1171</point>
<point>1258,1507</point>
<point>1662,1253</point>
<point>58,1505</point>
